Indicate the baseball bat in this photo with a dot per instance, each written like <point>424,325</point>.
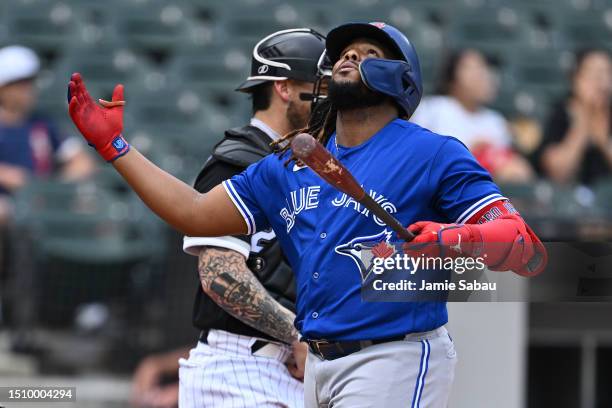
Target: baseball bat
<point>320,160</point>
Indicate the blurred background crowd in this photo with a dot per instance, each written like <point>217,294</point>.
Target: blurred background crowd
<point>91,282</point>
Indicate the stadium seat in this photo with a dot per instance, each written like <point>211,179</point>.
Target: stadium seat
<point>52,101</point>
<point>603,194</point>
<point>181,151</point>
<point>540,71</point>
<point>546,200</point>
<point>179,122</point>
<point>314,14</point>
<point>531,103</point>
<point>107,178</point>
<point>82,245</point>
<point>588,29</point>
<point>166,107</point>
<point>438,12</point>
<point>492,30</point>
<point>214,63</point>
<point>81,222</point>
<point>152,25</point>
<point>523,197</point>
<point>3,24</point>
<point>214,12</point>
<point>252,23</point>
<point>429,72</point>
<point>504,103</point>
<point>103,66</point>
<point>213,74</point>
<point>44,26</point>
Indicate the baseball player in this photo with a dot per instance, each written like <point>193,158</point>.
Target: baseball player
<point>361,354</point>
<point>246,309</point>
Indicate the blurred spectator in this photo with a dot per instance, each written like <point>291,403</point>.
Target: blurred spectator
<point>29,143</point>
<point>155,381</point>
<point>527,133</point>
<point>466,86</point>
<point>577,146</point>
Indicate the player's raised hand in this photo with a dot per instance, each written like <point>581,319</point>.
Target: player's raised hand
<point>100,125</point>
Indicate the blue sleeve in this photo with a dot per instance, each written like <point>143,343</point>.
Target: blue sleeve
<point>246,191</point>
<point>462,186</point>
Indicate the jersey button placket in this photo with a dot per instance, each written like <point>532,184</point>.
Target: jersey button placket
<point>315,315</point>
<point>315,275</point>
<point>323,235</point>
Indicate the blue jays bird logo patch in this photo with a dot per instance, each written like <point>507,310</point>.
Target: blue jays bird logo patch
<point>360,250</point>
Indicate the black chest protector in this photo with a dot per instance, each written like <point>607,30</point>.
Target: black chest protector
<point>242,147</point>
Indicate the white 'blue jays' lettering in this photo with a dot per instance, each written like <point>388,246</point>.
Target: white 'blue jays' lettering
<point>307,199</point>
<point>343,200</point>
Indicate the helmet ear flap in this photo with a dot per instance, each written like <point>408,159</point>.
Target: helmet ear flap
<point>364,76</point>
<point>393,78</point>
<point>408,84</point>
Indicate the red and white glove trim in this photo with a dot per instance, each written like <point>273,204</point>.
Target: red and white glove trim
<point>496,230</point>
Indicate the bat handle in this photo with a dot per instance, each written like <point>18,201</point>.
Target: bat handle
<point>405,234</point>
<point>387,218</point>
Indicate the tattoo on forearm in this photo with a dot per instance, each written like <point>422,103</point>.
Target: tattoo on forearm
<point>226,278</point>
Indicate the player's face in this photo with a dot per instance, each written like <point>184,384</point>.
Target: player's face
<point>298,111</point>
<point>346,69</point>
<point>346,90</point>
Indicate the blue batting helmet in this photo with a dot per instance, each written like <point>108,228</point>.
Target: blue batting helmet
<point>400,79</point>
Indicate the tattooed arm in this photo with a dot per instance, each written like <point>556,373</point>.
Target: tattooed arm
<point>226,278</point>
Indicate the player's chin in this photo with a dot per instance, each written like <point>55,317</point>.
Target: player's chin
<point>351,76</point>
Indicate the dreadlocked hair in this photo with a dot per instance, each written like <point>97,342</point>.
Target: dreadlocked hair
<point>321,125</point>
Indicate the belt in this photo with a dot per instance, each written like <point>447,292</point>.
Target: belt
<point>331,350</point>
<point>260,348</point>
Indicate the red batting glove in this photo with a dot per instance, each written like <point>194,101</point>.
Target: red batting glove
<point>100,125</point>
<point>434,239</point>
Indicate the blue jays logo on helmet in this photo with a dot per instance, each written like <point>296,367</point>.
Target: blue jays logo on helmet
<point>378,24</point>
<point>356,248</point>
<point>399,78</point>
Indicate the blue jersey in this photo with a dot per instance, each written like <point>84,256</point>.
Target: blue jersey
<point>413,173</point>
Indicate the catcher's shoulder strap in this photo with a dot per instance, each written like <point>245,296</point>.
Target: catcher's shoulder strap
<point>242,146</point>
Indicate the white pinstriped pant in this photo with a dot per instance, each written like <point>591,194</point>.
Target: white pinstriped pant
<point>224,374</point>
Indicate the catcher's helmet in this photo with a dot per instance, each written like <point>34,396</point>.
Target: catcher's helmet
<point>285,54</point>
<point>400,79</point>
